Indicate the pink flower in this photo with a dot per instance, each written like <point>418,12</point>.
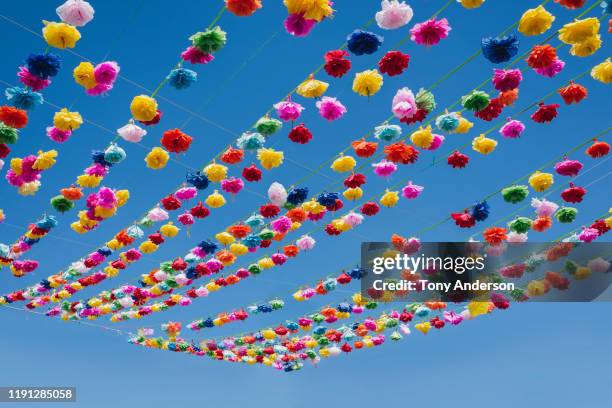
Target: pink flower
<point>186,219</point>
<point>32,81</point>
<point>186,193</point>
<point>430,32</point>
<point>195,56</point>
<point>512,129</point>
<point>404,105</point>
<point>232,185</point>
<point>384,168</point>
<point>588,235</point>
<point>288,110</point>
<point>412,191</point>
<point>106,72</point>
<point>551,70</point>
<point>436,142</point>
<point>297,25</point>
<point>281,224</point>
<point>59,136</point>
<point>569,168</point>
<point>507,79</point>
<point>330,108</point>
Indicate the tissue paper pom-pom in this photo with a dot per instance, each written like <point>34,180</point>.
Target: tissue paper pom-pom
<point>566,215</point>
<point>355,180</point>
<point>61,204</point>
<point>495,235</point>
<point>512,129</point>
<point>251,141</point>
<point>60,35</point>
<point>88,181</point>
<point>277,194</point>
<point>267,126</point>
<point>186,219</point>
<point>567,167</point>
<point>13,117</point>
<point>603,72</point>
<point>75,12</point>
<point>404,104</point>
<point>596,150</point>
<point>573,194</point>
<point>393,63</point>
<point>587,47</point>
<point>367,83</point>
<point>195,56</point>
<point>32,81</point>
<point>425,100</point>
<point>300,134</point>
<point>507,79</point>
<point>579,30</point>
<point>157,215</point>
<point>370,208</point>
<point>520,225</point>
<point>215,172</point>
<point>535,21</point>
<point>114,154</point>
<point>393,14</point>
<point>106,72</point>
<point>270,158</point>
<point>288,110</point>
<point>463,126</point>
<point>297,196</point>
<point>23,98</point>
<point>28,189</point>
<point>242,8</point>
<point>457,160</point>
<point>181,78</point>
<point>84,75</point>
<point>412,191</point>
<point>169,230</point>
<point>45,160</point>
<point>389,199</point>
<point>8,135</point>
<point>463,220</point>
<point>384,168</point>
<point>176,141</point>
<point>541,224</point>
<point>508,98</point>
<point>232,185</point>
<point>516,238</point>
<point>499,49</point>
<point>251,173</point>
<point>541,56</point>
<point>364,149</point>
<point>573,93</point>
<point>209,41</point>
<point>571,4</point>
<point>598,265</point>
<point>541,182</point>
<point>330,108</point>
<point>312,88</point>
<point>157,158</point>
<point>4,150</point>
<point>215,200</point>
<point>43,66</point>
<point>422,137</point>
<point>361,42</point>
<point>312,9</point>
<point>387,133</point>
<point>143,108</point>
<point>199,211</point>
<point>343,164</point>
<point>296,24</point>
<point>471,4</point>
<point>336,64</point>
<point>430,32</point>
<point>588,235</point>
<point>484,145</point>
<point>545,113</point>
<point>515,194</point>
<point>66,120</point>
<point>475,100</point>
<point>551,70</point>
<point>232,156</point>
<point>353,194</point>
<point>305,243</point>
<point>186,193</point>
<point>401,153</point>
<point>492,111</point>
<point>99,89</point>
<point>131,132</point>
<point>447,122</point>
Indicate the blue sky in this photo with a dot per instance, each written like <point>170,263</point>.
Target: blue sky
<point>530,350</point>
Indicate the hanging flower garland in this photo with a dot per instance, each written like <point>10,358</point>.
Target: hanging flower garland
<point>304,15</point>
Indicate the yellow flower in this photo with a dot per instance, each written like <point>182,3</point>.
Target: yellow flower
<point>582,273</point>
<point>478,308</point>
<point>587,47</point>
<point>143,108</point>
<point>147,247</point>
<point>215,172</point>
<point>312,88</point>
<point>224,238</point>
<point>65,120</point>
<point>536,288</point>
<point>367,83</point>
<point>603,72</point>
<point>157,158</point>
<point>122,197</point>
<point>270,158</point>
<point>103,212</point>
<point>579,30</point>
<point>169,230</point>
<point>84,75</point>
<point>422,137</point>
<point>60,35</point>
<point>312,206</point>
<point>343,164</point>
<point>87,181</point>
<point>483,144</point>
<point>16,165</point>
<point>535,21</point>
<point>389,199</point>
<point>353,194</point>
<point>239,249</point>
<point>78,228</point>
<point>215,200</point>
<point>541,182</point>
<point>471,4</point>
<point>311,9</point>
<point>464,126</point>
<point>265,263</point>
<point>340,225</point>
<point>28,189</point>
<point>423,327</point>
<point>45,160</point>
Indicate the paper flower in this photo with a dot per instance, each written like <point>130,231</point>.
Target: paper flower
<point>579,30</point>
<point>393,63</point>
<point>551,70</point>
<point>330,108</point>
<point>484,145</point>
<point>387,133</point>
<point>182,78</point>
<point>176,141</point>
<point>361,42</point>
<point>288,110</point>
<point>596,150</point>
<point>242,8</point>
<point>60,35</point>
<point>422,138</point>
<point>471,4</point>
<point>404,104</point>
<point>312,9</point>
<point>545,113</point>
<point>367,83</point>
<point>475,100</point>
<point>143,108</point>
<point>430,32</point>
<point>412,191</point>
<point>298,25</point>
<point>312,88</point>
<point>457,160</point>
<point>75,12</point>
<point>535,21</point>
<point>157,158</point>
<point>393,14</point>
<point>300,134</point>
<point>541,56</point>
<point>499,49</point>
<point>13,117</point>
<point>67,121</point>
<point>210,40</point>
<point>193,55</point>
<point>541,182</point>
<point>507,79</point>
<point>512,129</point>
<point>131,132</point>
<point>384,168</point>
<point>603,72</point>
<point>336,64</point>
<point>343,164</point>
<point>270,158</point>
<point>23,98</point>
<point>573,93</point>
<point>32,81</point>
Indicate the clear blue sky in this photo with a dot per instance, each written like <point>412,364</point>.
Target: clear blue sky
<point>532,354</point>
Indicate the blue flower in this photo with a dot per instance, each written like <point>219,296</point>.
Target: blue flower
<point>198,180</point>
<point>297,195</point>
<point>23,98</point>
<point>181,78</point>
<point>44,65</point>
<point>361,42</point>
<point>499,49</point>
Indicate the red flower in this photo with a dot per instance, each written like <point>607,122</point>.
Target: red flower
<point>573,93</point>
<point>153,121</point>
<point>495,235</point>
<point>202,269</point>
<point>571,4</point>
<point>124,238</point>
<point>239,231</point>
<point>419,116</point>
<point>200,211</point>
<point>464,219</point>
<point>331,230</point>
<point>300,134</point>
<point>545,113</point>
<point>297,215</point>
<point>176,141</point>
<point>400,152</point>
<point>251,173</point>
<point>269,210</point>
<point>336,206</point>
<point>541,56</point>
<point>179,264</point>
<point>573,194</point>
<point>600,226</point>
<point>436,322</point>
<point>363,148</point>
<point>500,301</point>
<point>370,208</point>
<point>4,150</point>
<point>13,117</point>
<point>344,278</point>
<point>355,180</point>
<point>541,224</point>
<point>232,156</point>
<point>457,160</point>
<point>596,150</point>
<point>346,348</point>
<point>290,250</point>
<point>393,63</point>
<point>335,63</point>
<point>265,243</point>
<point>171,203</point>
<point>492,111</point>
<point>405,317</point>
<point>156,238</point>
<point>508,98</point>
<point>242,8</point>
